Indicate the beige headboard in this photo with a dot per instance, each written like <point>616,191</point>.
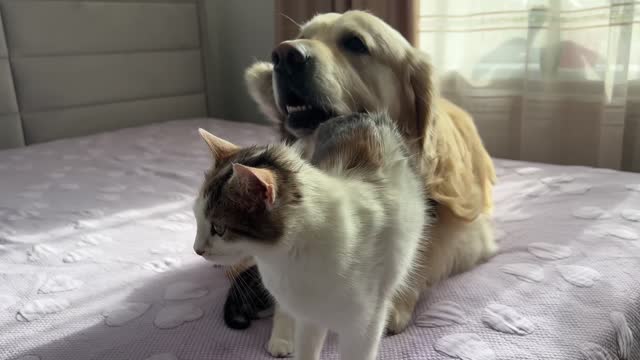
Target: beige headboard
<point>75,67</point>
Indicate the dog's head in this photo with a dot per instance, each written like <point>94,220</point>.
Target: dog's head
<point>340,64</point>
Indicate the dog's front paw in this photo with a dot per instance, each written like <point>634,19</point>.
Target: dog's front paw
<point>398,320</point>
<point>280,348</point>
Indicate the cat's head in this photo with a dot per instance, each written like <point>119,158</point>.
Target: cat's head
<point>246,200</point>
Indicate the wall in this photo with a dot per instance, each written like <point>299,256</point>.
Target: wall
<point>238,33</point>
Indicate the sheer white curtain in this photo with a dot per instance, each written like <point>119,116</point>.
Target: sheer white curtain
<point>552,81</point>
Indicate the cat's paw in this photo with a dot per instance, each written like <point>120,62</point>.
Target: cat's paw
<point>398,320</point>
<point>280,348</point>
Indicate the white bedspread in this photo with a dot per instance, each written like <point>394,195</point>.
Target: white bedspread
<point>96,260</point>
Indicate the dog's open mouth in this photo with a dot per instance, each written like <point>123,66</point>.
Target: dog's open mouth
<point>303,116</point>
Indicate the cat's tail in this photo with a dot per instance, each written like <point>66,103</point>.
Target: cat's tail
<point>395,155</point>
<point>363,143</point>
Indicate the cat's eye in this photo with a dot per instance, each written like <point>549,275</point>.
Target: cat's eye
<point>354,44</point>
<point>217,229</point>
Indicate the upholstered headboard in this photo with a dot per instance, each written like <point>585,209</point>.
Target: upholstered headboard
<point>75,67</point>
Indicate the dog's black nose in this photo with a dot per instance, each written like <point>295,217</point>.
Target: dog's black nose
<point>199,251</point>
<point>289,57</point>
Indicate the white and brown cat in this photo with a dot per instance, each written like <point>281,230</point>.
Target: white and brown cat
<point>335,238</point>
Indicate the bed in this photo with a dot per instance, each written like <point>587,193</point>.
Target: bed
<point>96,231</point>
<point>96,260</point>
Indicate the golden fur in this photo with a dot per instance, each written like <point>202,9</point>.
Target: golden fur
<point>398,78</point>
<point>460,172</point>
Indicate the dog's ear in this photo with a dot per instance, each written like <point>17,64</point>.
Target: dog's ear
<point>258,78</point>
<point>459,170</point>
<point>420,91</point>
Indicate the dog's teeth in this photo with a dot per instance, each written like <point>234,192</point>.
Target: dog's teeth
<point>292,109</point>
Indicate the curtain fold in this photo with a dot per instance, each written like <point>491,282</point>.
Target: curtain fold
<point>401,14</point>
<point>554,81</point>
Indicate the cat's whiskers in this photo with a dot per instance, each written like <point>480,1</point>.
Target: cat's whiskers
<point>238,279</point>
<point>244,285</point>
<point>259,280</point>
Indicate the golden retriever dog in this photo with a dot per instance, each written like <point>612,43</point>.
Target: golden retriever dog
<point>355,62</point>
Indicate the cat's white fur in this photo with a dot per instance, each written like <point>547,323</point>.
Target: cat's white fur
<point>457,169</point>
<point>352,245</point>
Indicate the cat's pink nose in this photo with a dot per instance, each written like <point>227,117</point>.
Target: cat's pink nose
<point>199,251</point>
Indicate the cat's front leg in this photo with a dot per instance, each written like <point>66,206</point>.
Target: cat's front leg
<point>309,339</point>
<point>358,343</point>
<point>281,340</point>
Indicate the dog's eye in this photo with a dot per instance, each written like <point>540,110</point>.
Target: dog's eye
<point>354,44</point>
<point>217,229</point>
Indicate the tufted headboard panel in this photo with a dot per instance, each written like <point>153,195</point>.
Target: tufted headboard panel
<point>76,67</point>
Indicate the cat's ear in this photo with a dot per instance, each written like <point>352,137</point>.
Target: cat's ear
<point>220,148</point>
<point>258,181</point>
